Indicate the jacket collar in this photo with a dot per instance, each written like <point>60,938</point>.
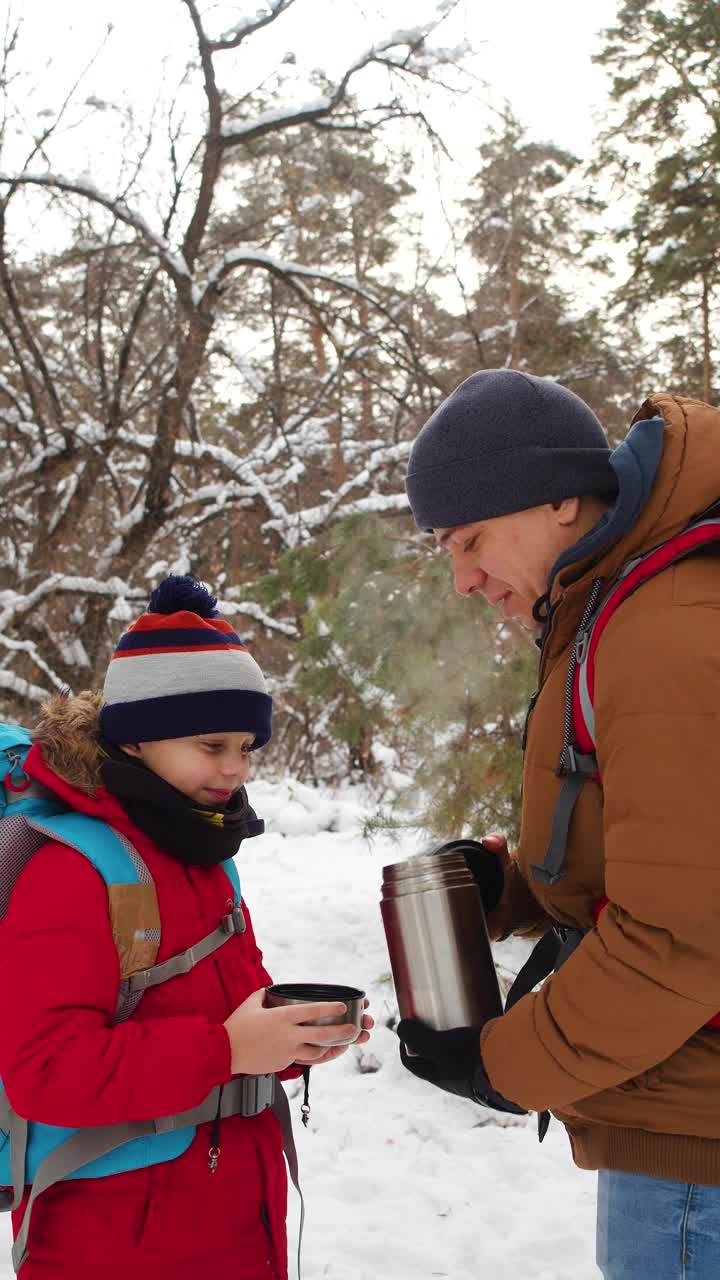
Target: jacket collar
<point>668,470</point>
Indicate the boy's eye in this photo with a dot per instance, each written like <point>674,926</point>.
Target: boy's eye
<point>468,546</point>
<point>212,746</point>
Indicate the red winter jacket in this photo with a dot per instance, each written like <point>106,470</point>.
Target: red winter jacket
<point>63,1062</point>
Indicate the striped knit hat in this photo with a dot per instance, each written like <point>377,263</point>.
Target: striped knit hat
<point>181,670</point>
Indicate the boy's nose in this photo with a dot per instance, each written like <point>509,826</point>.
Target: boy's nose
<point>234,768</point>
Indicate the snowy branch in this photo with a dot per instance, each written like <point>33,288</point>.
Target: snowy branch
<point>174,263</point>
<point>13,603</point>
<point>252,610</point>
<point>247,26</point>
<point>22,688</point>
<point>412,41</point>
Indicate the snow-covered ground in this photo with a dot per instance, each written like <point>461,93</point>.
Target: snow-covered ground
<point>401,1181</point>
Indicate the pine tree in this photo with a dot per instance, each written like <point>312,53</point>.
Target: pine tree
<point>532,228</point>
<point>392,665</point>
<point>665,62</point>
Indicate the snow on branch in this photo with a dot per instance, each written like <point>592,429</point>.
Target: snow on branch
<point>27,646</point>
<point>22,688</point>
<point>252,610</point>
<point>249,254</point>
<point>274,120</point>
<point>412,58</point>
<point>13,603</point>
<point>174,263</point>
<point>295,527</point>
<point>247,26</point>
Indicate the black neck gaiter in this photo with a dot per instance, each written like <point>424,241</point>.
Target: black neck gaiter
<point>194,834</point>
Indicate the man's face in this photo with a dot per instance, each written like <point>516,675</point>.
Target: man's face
<point>508,559</point>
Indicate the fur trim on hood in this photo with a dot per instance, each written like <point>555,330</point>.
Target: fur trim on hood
<point>68,732</point>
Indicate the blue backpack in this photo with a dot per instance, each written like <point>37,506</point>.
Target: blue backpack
<point>42,1154</point>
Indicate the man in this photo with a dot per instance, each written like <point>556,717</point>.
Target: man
<point>514,477</point>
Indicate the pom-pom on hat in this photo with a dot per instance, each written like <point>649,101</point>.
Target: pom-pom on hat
<point>181,670</point>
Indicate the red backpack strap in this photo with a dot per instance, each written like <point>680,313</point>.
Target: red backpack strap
<point>634,574</point>
<point>578,761</point>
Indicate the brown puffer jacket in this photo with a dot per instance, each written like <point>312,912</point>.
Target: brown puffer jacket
<point>614,1043</point>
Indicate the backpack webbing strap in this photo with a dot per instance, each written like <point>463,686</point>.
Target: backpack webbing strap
<point>244,1096</point>
<point>17,1131</point>
<point>234,923</point>
<point>281,1108</point>
<point>581,768</point>
<point>554,948</point>
<point>84,1146</point>
<point>538,965</point>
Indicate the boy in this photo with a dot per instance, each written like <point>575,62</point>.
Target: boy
<point>162,757</point>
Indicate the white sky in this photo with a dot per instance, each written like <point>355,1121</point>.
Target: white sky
<point>536,55</point>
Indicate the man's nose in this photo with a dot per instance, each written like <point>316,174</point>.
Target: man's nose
<point>469,580</point>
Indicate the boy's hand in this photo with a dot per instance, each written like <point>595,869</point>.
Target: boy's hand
<point>330,1054</point>
<point>266,1040</point>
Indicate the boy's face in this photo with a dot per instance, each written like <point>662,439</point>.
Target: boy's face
<point>208,767</point>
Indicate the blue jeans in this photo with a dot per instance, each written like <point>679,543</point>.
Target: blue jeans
<point>652,1229</point>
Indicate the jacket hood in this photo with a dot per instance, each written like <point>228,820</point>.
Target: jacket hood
<point>65,758</point>
<point>635,463</point>
<point>668,468</point>
<point>67,733</point>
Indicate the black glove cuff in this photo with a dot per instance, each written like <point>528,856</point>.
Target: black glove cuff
<point>486,1096</point>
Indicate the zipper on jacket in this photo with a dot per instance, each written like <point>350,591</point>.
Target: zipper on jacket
<point>528,713</point>
<point>577,655</point>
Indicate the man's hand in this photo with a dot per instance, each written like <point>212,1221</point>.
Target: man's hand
<point>485,864</point>
<point>451,1061</point>
<point>497,917</point>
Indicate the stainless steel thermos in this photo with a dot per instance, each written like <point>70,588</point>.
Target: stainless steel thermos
<point>437,938</point>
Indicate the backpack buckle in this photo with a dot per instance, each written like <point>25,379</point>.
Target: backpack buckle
<point>581,647</point>
<point>234,922</point>
<point>568,762</point>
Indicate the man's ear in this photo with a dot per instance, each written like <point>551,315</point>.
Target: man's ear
<point>566,510</point>
<point>131,749</point>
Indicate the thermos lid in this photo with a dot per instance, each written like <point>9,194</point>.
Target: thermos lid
<point>442,866</point>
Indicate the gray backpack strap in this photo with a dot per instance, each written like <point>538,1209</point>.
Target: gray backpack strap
<point>234,923</point>
<point>244,1096</point>
<point>574,767</point>
<point>282,1111</point>
<point>84,1146</point>
<point>17,1131</point>
<point>579,768</point>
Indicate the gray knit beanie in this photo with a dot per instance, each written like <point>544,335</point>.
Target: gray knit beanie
<point>505,441</point>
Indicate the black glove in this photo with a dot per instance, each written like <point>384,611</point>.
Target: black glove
<point>450,1060</point>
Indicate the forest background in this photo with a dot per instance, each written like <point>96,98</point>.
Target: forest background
<point>224,315</point>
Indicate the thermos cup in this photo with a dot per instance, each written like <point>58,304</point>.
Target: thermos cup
<point>437,938</point>
<point>282,993</point>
